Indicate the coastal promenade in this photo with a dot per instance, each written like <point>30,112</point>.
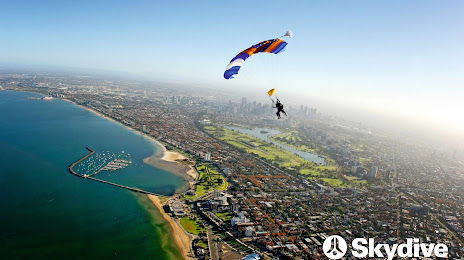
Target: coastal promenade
<point>87,176</point>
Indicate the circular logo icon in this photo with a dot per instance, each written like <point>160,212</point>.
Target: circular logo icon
<point>334,247</point>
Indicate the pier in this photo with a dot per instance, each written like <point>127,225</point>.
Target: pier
<point>85,176</point>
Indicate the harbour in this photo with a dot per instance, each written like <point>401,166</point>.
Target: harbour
<point>101,215</point>
<point>111,166</point>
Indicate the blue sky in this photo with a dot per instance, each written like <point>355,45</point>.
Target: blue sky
<point>359,52</point>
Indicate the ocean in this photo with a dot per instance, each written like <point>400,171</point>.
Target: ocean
<point>46,212</point>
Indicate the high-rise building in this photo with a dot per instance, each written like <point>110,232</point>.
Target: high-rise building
<point>216,194</point>
<point>173,100</point>
<point>244,102</point>
<point>354,169</point>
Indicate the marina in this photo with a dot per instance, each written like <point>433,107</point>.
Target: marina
<point>103,161</point>
<point>111,166</point>
<point>115,165</point>
<point>41,198</point>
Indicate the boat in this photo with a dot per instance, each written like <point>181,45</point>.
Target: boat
<point>264,132</point>
<point>47,98</point>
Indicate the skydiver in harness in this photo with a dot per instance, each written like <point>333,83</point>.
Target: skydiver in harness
<point>280,108</point>
<point>278,105</point>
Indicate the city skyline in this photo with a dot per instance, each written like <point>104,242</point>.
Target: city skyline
<point>278,188</point>
<point>122,127</point>
<point>397,60</point>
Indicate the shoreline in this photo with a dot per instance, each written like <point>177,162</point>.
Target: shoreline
<point>167,156</point>
<point>172,156</point>
<point>170,161</point>
<point>98,114</point>
<point>182,238</point>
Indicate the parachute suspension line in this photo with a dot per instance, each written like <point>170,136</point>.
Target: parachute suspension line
<point>274,71</point>
<point>271,99</point>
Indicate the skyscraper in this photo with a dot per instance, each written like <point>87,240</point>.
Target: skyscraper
<point>373,172</point>
<point>244,102</point>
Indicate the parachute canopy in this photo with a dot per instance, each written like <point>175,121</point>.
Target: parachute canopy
<point>272,46</point>
<point>271,92</point>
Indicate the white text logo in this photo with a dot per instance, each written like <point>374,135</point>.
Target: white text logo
<point>335,248</point>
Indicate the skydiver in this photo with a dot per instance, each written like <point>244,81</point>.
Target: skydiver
<point>280,108</point>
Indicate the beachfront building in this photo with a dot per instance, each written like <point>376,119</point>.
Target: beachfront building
<point>176,208</point>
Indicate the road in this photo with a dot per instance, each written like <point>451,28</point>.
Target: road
<point>213,252</point>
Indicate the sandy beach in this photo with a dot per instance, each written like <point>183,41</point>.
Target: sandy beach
<point>99,114</point>
<point>182,238</point>
<point>170,162</point>
<point>168,156</point>
<point>172,156</point>
<point>174,162</point>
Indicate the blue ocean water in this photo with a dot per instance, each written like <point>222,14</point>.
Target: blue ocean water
<point>47,212</point>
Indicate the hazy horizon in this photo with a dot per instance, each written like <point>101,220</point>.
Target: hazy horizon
<point>390,63</point>
<point>415,129</point>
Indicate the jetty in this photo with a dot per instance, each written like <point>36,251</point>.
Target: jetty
<point>115,164</point>
<point>88,176</point>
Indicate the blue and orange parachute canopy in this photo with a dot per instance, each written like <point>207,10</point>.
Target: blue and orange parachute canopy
<point>272,46</point>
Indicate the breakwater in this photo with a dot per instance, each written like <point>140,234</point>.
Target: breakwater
<point>88,176</point>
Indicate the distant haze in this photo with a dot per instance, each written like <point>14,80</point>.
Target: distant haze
<point>389,63</point>
<point>428,118</point>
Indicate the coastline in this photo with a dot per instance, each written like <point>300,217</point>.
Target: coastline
<point>167,156</point>
<point>158,229</point>
<point>172,156</point>
<point>182,238</point>
<point>168,161</point>
<point>99,114</point>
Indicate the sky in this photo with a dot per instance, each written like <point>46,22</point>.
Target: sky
<point>396,58</point>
